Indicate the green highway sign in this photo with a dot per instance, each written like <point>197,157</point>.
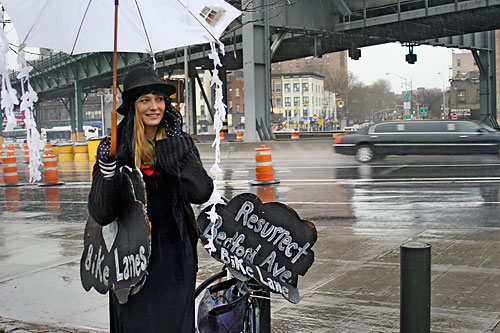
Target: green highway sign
<point>406,96</point>
<point>424,111</point>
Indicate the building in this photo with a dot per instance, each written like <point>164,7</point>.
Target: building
<point>464,86</point>
<point>236,100</point>
<point>297,97</point>
<point>328,62</point>
<point>289,99</point>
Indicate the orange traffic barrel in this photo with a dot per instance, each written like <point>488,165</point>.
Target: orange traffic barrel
<point>50,173</point>
<point>10,150</point>
<point>263,167</point>
<point>48,148</point>
<point>10,177</point>
<point>294,135</point>
<point>221,134</point>
<point>26,153</point>
<point>239,136</point>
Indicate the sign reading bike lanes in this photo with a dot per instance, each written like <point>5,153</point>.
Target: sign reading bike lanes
<point>115,256</point>
<point>264,241</point>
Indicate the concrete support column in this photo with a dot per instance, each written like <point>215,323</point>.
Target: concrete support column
<point>72,116</point>
<point>486,61</point>
<point>78,112</point>
<point>256,73</point>
<point>193,73</point>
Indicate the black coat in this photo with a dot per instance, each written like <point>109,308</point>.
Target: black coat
<point>179,162</point>
<point>166,301</point>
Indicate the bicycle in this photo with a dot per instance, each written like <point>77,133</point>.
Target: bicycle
<point>232,305</point>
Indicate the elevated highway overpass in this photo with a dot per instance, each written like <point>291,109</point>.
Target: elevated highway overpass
<point>275,30</point>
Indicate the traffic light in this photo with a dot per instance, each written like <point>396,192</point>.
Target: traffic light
<point>304,107</point>
<point>442,107</point>
<point>340,104</point>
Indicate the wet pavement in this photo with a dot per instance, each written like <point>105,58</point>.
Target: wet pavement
<point>363,214</point>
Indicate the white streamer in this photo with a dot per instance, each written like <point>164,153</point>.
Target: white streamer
<point>9,95</point>
<point>219,106</point>
<point>219,117</point>
<point>212,216</point>
<point>28,98</point>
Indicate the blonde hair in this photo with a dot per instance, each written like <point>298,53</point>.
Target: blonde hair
<point>144,150</point>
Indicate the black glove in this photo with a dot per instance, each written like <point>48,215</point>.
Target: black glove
<point>173,122</point>
<point>107,164</point>
<point>173,152</point>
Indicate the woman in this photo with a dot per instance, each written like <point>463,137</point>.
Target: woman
<point>150,138</point>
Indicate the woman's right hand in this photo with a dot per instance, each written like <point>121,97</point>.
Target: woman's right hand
<point>107,164</point>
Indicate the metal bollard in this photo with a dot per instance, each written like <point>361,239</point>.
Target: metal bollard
<point>415,301</point>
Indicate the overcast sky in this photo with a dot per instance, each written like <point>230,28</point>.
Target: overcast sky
<point>378,60</point>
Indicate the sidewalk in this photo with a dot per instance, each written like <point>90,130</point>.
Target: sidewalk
<point>353,285</point>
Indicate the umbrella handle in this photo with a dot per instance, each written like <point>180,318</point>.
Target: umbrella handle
<point>112,150</point>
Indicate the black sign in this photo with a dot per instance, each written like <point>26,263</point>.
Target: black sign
<point>264,241</point>
<point>115,256</point>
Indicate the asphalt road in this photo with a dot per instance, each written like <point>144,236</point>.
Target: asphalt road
<point>362,212</point>
<point>398,192</point>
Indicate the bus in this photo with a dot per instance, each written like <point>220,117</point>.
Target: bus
<point>63,133</point>
<point>16,135</point>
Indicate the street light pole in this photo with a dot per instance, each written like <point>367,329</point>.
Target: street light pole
<point>444,92</point>
<point>406,86</point>
<point>401,77</point>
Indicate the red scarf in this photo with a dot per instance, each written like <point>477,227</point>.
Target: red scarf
<point>149,171</point>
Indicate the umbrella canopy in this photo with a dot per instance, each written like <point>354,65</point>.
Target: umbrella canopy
<point>81,26</point>
<point>147,26</point>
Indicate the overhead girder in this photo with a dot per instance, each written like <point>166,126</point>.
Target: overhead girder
<point>389,28</point>
<point>295,29</point>
<point>300,28</point>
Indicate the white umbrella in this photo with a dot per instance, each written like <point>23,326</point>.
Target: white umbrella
<point>148,26</point>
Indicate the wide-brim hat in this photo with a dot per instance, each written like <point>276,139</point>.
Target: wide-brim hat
<point>140,81</point>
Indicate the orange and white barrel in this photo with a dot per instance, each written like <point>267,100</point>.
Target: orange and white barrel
<point>221,135</point>
<point>50,173</point>
<point>48,148</point>
<point>294,135</point>
<point>10,171</point>
<point>10,150</point>
<point>263,167</point>
<point>26,153</point>
<point>239,136</point>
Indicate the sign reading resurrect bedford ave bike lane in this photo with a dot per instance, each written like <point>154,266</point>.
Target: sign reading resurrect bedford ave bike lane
<point>264,241</point>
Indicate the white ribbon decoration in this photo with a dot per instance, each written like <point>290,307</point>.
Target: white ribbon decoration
<point>219,106</point>
<point>8,95</point>
<point>212,216</point>
<point>219,117</point>
<point>28,98</point>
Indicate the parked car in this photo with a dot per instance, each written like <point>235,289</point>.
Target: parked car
<point>419,137</point>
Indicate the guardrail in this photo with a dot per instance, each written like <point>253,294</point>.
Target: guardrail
<point>279,136</point>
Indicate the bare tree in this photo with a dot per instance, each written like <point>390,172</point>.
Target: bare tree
<point>432,99</point>
<point>362,102</point>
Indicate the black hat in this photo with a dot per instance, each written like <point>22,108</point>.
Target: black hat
<point>140,81</point>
